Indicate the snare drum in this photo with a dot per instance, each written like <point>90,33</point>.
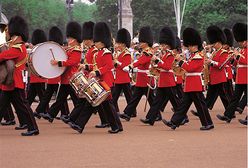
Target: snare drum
<point>41,56</point>
<point>96,92</point>
<point>78,82</point>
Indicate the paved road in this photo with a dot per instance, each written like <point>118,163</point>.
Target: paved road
<point>139,146</point>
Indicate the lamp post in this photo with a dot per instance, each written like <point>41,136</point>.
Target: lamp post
<point>120,13</point>
<point>69,6</point>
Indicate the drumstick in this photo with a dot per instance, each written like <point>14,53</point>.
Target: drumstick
<point>52,53</point>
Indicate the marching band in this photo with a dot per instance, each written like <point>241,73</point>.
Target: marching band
<point>94,76</point>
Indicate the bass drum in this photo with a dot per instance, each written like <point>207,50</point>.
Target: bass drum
<point>40,57</point>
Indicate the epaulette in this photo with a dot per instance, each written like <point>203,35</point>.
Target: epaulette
<point>223,51</point>
<point>126,52</point>
<point>18,46</point>
<point>106,51</point>
<point>77,48</point>
<point>197,56</point>
<point>147,52</point>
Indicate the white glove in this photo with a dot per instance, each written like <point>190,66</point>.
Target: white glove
<point>126,69</point>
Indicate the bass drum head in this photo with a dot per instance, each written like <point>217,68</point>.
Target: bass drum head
<point>41,56</point>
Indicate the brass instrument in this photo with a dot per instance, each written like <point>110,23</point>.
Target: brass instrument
<point>178,71</point>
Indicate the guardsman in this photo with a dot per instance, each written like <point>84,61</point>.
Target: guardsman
<point>193,84</point>
<point>103,64</point>
<point>122,59</point>
<point>55,35</point>
<point>8,114</point>
<point>167,83</point>
<point>217,75</point>
<point>240,35</point>
<point>14,93</point>
<point>37,84</point>
<point>142,79</point>
<point>87,67</point>
<point>73,34</point>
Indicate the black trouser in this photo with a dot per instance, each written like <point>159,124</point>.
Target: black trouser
<point>118,88</point>
<point>230,87</point>
<point>200,104</point>
<point>163,95</point>
<point>216,90</point>
<point>59,104</point>
<point>22,108</point>
<point>34,90</point>
<point>44,101</point>
<point>238,92</point>
<point>137,95</point>
<point>8,114</point>
<point>110,112</point>
<point>180,92</point>
<point>243,101</point>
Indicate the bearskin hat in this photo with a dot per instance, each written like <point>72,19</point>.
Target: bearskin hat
<point>87,30</point>
<point>191,37</point>
<point>73,30</point>
<point>102,34</point>
<point>240,32</point>
<point>229,37</point>
<point>56,35</point>
<point>123,36</point>
<point>38,36</point>
<point>18,26</point>
<point>215,34</point>
<point>145,35</point>
<point>178,43</point>
<point>167,36</point>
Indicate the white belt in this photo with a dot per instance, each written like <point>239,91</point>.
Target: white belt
<point>242,66</point>
<point>193,74</point>
<point>140,70</point>
<point>163,70</point>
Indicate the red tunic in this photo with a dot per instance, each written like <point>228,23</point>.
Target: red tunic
<point>242,65</point>
<point>217,75</point>
<point>104,65</point>
<point>166,76</point>
<point>193,80</point>
<point>229,69</point>
<point>89,59</point>
<point>121,76</point>
<point>18,54</point>
<point>36,79</point>
<point>143,64</point>
<point>74,57</point>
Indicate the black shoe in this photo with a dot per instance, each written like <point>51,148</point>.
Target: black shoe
<point>48,117</point>
<point>147,121</point>
<point>244,122</point>
<point>134,115</point>
<point>76,127</point>
<point>102,125</point>
<point>37,115</point>
<point>208,127</point>
<point>240,110</point>
<point>114,131</point>
<point>10,122</point>
<point>125,117</point>
<point>195,113</point>
<point>21,127</point>
<point>185,120</point>
<point>223,118</point>
<point>30,133</point>
<point>66,119</point>
<point>169,124</point>
<point>158,118</point>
